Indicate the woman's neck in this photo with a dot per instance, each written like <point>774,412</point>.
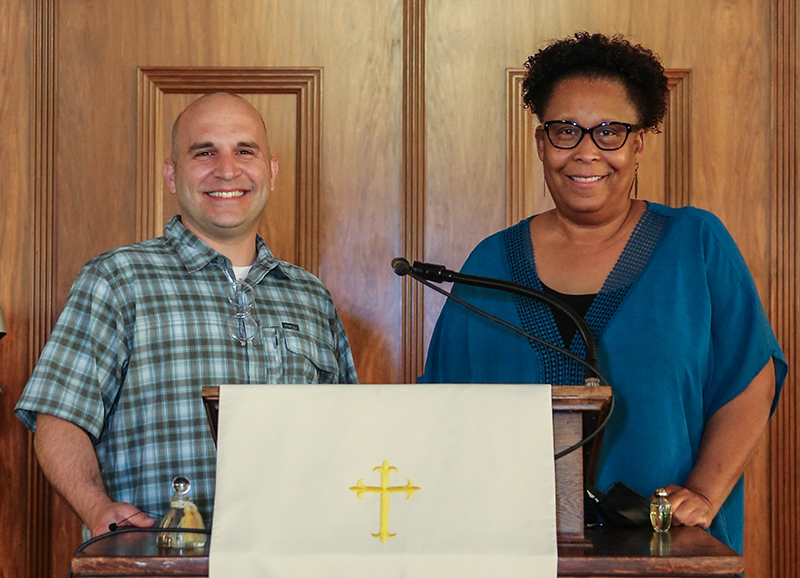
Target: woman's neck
<point>597,230</point>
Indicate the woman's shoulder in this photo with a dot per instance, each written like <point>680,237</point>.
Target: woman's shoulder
<point>688,216</point>
<point>695,223</point>
<point>698,229</point>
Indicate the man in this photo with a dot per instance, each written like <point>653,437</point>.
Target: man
<point>115,398</point>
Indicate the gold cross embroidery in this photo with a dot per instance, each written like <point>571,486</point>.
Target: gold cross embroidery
<point>384,490</point>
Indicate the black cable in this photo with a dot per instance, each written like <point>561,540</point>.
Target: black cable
<point>601,426</point>
<point>510,326</point>
<point>439,274</point>
<point>537,339</point>
<point>115,525</point>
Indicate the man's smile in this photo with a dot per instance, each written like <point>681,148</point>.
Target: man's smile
<point>226,194</point>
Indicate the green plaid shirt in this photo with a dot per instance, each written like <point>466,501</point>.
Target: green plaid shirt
<point>145,327</point>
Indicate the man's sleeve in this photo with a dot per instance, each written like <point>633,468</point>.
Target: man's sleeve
<point>347,367</point>
<point>79,372</point>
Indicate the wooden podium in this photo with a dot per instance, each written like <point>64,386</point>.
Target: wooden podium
<point>577,410</point>
<point>633,553</point>
<point>594,552</point>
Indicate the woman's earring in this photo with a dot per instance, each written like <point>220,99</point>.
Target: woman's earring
<point>544,187</point>
<point>636,182</point>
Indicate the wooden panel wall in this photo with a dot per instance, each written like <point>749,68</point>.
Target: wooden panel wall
<point>415,147</point>
<point>16,92</point>
<point>783,534</point>
<point>357,133</point>
<point>483,174</point>
<point>291,226</point>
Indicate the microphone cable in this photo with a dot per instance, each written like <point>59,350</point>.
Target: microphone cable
<point>539,340</point>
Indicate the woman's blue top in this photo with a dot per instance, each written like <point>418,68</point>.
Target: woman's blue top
<point>680,331</point>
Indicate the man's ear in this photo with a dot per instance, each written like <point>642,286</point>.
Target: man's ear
<point>168,172</point>
<point>273,168</point>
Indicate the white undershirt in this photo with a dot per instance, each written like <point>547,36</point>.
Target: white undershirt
<point>241,272</point>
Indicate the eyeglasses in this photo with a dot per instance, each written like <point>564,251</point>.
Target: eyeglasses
<point>242,325</point>
<point>608,136</point>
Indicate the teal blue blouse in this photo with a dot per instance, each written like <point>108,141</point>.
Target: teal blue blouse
<point>680,328</point>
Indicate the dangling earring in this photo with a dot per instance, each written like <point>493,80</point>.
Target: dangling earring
<point>636,182</point>
<point>544,187</point>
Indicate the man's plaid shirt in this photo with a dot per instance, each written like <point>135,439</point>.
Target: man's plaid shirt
<point>145,328</point>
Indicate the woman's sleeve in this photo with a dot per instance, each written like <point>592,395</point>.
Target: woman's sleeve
<point>741,336</point>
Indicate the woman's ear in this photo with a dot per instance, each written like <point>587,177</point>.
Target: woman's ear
<point>540,137</point>
<point>638,147</point>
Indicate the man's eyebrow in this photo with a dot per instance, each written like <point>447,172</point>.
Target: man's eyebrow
<point>201,145</point>
<point>209,145</point>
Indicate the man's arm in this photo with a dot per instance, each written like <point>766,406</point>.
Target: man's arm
<point>728,443</point>
<point>67,458</point>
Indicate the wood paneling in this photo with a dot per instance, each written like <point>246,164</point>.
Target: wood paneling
<point>295,239</point>
<point>17,87</point>
<point>415,147</point>
<point>525,187</point>
<point>678,140</point>
<point>413,230</point>
<point>43,519</point>
<point>783,502</point>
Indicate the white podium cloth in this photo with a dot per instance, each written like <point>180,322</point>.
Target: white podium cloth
<point>291,458</point>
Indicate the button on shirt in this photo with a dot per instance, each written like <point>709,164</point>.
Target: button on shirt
<point>145,327</point>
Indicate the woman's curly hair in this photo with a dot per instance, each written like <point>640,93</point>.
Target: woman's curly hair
<point>602,57</point>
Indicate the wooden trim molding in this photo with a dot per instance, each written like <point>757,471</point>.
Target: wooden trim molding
<point>678,137</point>
<point>304,83</point>
<point>43,136</point>
<point>784,436</point>
<point>520,145</point>
<point>413,186</point>
<point>149,155</point>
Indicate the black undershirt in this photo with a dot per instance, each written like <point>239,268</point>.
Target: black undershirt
<point>579,303</point>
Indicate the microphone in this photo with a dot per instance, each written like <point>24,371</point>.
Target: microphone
<point>425,272</point>
<point>436,273</point>
<point>401,266</point>
<point>439,274</point>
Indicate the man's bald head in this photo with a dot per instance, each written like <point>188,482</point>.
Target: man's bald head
<point>175,150</point>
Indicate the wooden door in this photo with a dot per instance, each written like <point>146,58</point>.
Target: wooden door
<point>398,129</point>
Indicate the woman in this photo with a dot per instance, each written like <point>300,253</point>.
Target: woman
<point>682,336</point>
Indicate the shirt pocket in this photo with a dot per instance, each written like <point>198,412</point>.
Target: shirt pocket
<point>308,359</point>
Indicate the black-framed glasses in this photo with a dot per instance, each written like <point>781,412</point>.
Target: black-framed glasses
<point>608,136</point>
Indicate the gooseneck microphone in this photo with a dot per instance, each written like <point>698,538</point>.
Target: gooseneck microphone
<point>439,274</point>
<point>426,272</point>
<point>401,266</point>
